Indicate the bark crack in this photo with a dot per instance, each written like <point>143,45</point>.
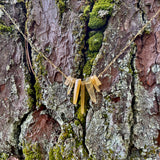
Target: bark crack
<point>30,110</point>
<point>140,8</point>
<point>157,102</point>
<point>81,67</point>
<point>17,135</point>
<point>132,64</point>
<point>30,78</point>
<point>157,53</point>
<point>85,48</point>
<point>156,47</point>
<point>133,121</point>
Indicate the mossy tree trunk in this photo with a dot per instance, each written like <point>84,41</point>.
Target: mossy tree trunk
<point>38,119</point>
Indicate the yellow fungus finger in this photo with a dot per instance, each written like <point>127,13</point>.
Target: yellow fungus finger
<point>90,90</point>
<point>82,96</point>
<point>93,80</point>
<point>76,90</point>
<point>98,82</point>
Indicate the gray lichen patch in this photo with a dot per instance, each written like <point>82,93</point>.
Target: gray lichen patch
<point>69,144</point>
<point>145,108</point>
<point>124,124</point>
<point>13,96</point>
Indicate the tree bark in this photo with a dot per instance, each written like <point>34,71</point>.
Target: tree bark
<point>37,117</point>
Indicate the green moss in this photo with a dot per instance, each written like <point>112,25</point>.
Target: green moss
<point>87,10</point>
<point>67,132</point>
<point>80,116</point>
<point>30,92</point>
<point>92,33</point>
<point>130,63</point>
<point>150,151</point>
<point>30,97</point>
<point>147,30</point>
<point>85,16</point>
<point>88,66</point>
<point>4,156</point>
<point>96,19</point>
<point>38,92</point>
<point>69,152</point>
<point>48,49</point>
<point>91,158</point>
<point>111,154</point>
<point>4,29</point>
<point>62,7</point>
<point>56,153</point>
<point>108,98</point>
<point>51,154</point>
<point>32,152</point>
<point>95,42</point>
<point>41,67</point>
<point>19,1</point>
<point>76,122</point>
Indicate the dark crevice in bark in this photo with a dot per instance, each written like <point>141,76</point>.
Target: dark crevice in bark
<point>156,94</point>
<point>156,47</point>
<point>27,59</point>
<point>88,30</point>
<point>86,48</point>
<point>157,102</point>
<point>140,8</point>
<point>84,57</point>
<point>84,135</point>
<point>17,135</point>
<point>23,119</point>
<point>84,130</point>
<point>28,50</point>
<point>31,80</point>
<point>133,121</point>
<point>17,131</point>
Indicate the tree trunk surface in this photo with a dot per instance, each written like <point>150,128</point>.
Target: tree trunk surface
<point>81,37</point>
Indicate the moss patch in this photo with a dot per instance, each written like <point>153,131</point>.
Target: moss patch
<point>4,156</point>
<point>88,66</point>
<point>66,133</point>
<point>40,72</point>
<point>31,152</point>
<point>30,97</point>
<point>55,153</point>
<point>95,42</point>
<point>85,16</point>
<point>40,66</point>
<point>62,7</point>
<point>20,1</point>
<point>38,92</point>
<point>101,10</point>
<point>4,29</point>
<point>51,154</point>
<point>30,92</point>
<point>58,152</point>
<point>76,122</point>
<point>80,116</point>
<point>68,146</point>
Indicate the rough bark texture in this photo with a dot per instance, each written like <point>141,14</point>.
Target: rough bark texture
<point>38,119</point>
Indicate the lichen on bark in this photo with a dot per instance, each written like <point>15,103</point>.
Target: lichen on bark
<point>32,151</point>
<point>81,38</point>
